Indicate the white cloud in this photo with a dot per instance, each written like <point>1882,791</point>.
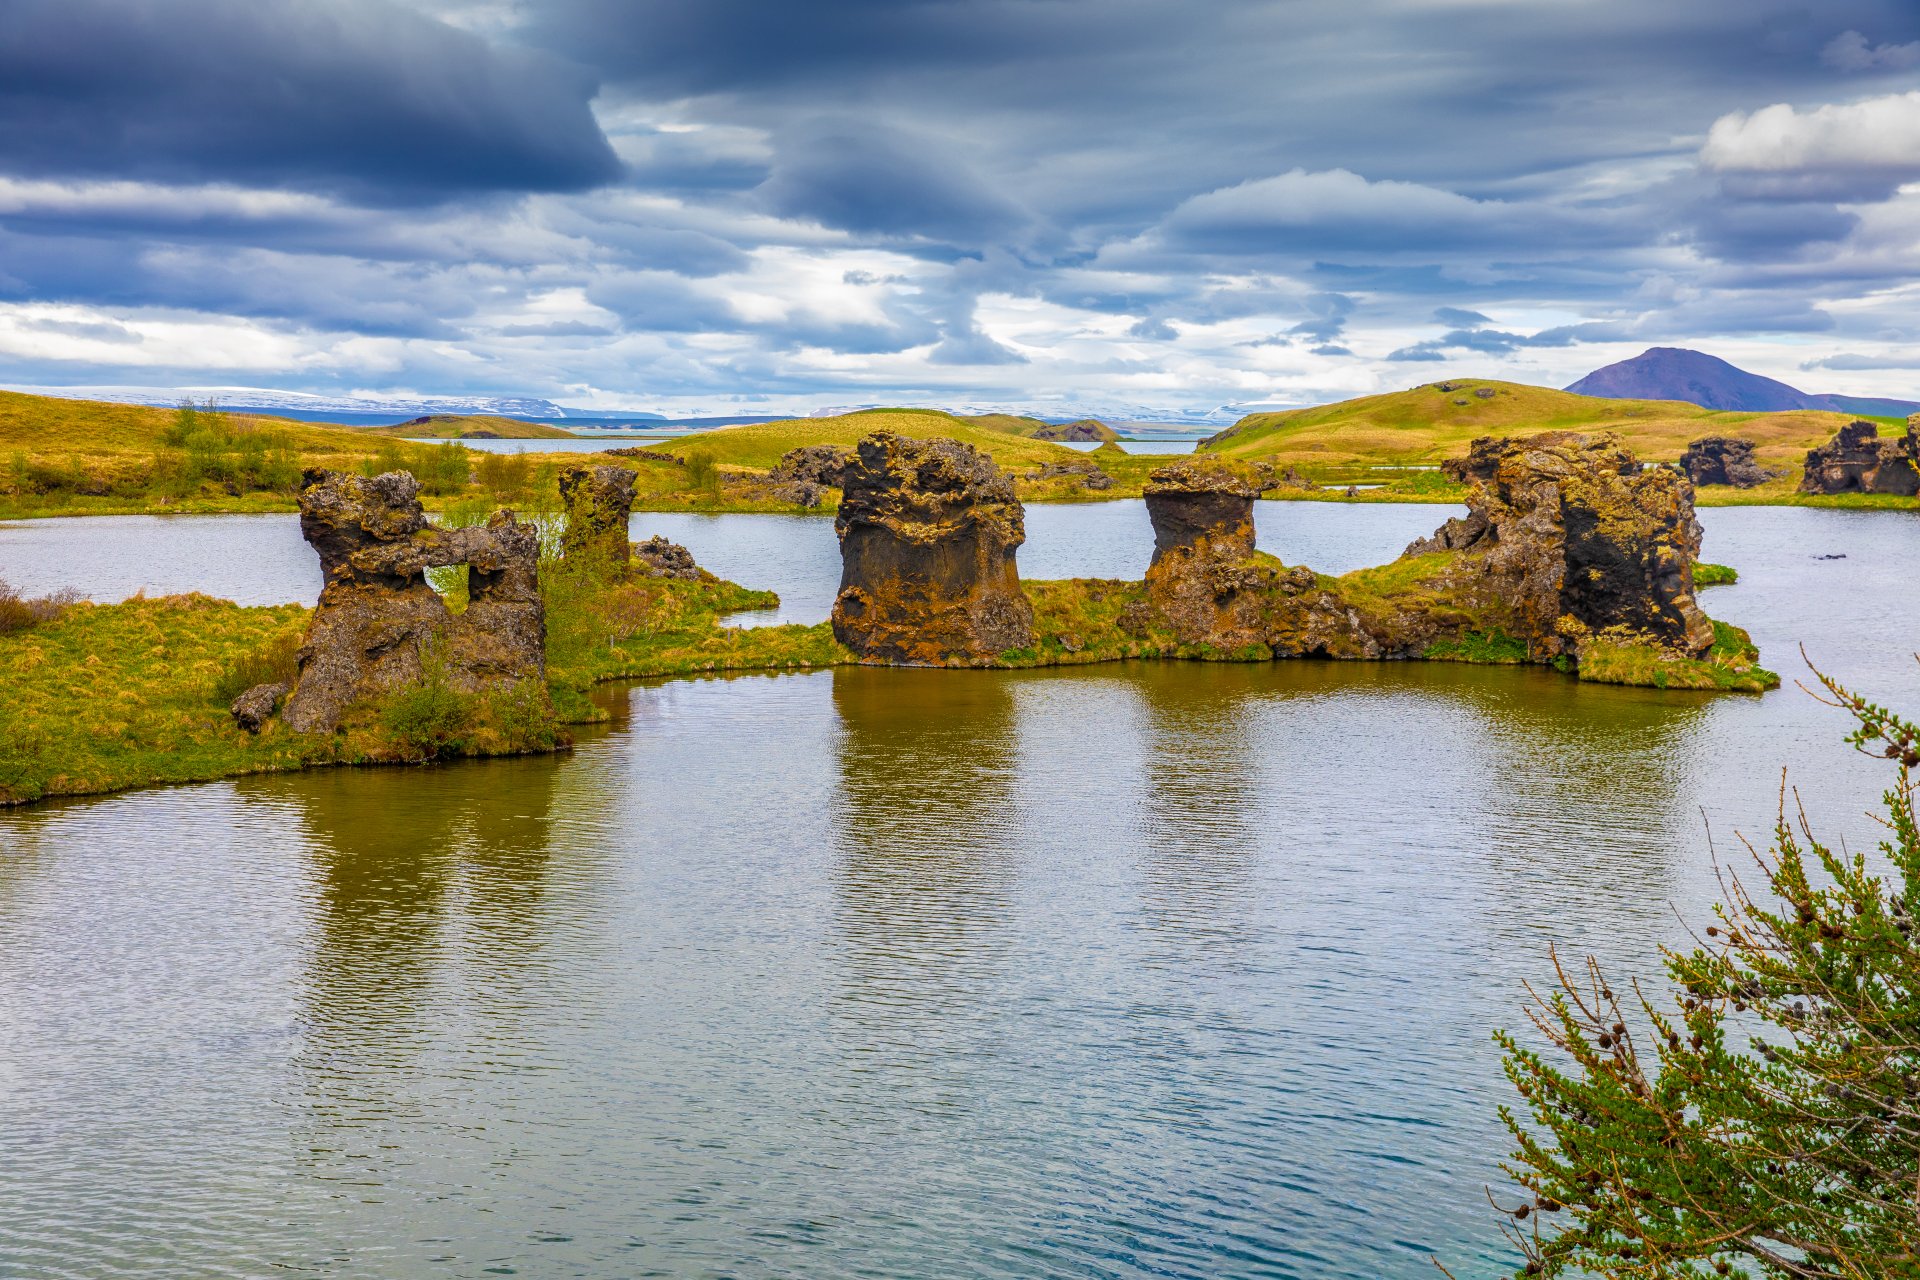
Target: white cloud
<point>1876,136</point>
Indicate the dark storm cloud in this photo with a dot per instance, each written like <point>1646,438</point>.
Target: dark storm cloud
<point>1193,173</point>
<point>855,176</point>
<point>361,95</point>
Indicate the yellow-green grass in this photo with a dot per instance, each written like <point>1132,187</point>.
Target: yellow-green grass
<point>1426,425</point>
<point>113,696</point>
<point>1732,665</point>
<point>84,457</point>
<point>453,426</point>
<point>759,446</point>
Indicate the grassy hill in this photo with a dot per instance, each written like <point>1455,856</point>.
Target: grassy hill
<point>1422,426</point>
<point>87,457</point>
<point>760,445</point>
<point>1039,429</point>
<point>472,426</point>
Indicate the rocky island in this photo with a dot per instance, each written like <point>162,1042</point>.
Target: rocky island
<point>1572,554</point>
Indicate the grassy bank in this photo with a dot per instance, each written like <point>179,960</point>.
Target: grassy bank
<point>74,457</point>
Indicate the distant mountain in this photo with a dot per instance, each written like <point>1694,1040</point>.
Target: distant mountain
<point>1674,373</point>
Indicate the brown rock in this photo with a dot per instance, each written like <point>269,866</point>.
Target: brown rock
<point>252,709</point>
<point>660,558</point>
<point>821,464</point>
<point>928,530</point>
<point>1857,461</point>
<point>378,622</point>
<point>1568,534</point>
<point>804,475</point>
<point>1722,460</point>
<point>599,502</point>
<point>1204,579</point>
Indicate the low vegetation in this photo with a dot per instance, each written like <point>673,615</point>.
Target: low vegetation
<point>23,613</point>
<point>1757,1119</point>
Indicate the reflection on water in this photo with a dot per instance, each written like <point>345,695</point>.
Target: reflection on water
<point>1142,970</point>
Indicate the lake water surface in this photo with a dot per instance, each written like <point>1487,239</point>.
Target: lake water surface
<point>1143,970</point>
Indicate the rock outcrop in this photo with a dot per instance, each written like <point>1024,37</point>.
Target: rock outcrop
<point>1203,579</point>
<point>1210,587</point>
<point>1080,431</point>
<point>379,624</point>
<point>1857,460</point>
<point>659,558</point>
<point>1087,472</point>
<point>1568,535</point>
<point>1722,460</point>
<point>599,503</point>
<point>804,475</point>
<point>928,530</point>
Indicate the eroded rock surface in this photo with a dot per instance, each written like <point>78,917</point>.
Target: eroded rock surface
<point>1857,460</point>
<point>928,530</point>
<point>804,475</point>
<point>1722,460</point>
<point>599,502</point>
<point>379,623</point>
<point>1208,584</point>
<point>660,558</point>
<point>1568,535</point>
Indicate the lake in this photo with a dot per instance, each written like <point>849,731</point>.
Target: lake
<point>1152,969</point>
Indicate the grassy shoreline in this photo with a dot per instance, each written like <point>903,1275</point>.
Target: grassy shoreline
<point>104,698</point>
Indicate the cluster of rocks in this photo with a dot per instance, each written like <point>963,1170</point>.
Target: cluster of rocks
<point>1857,460</point>
<point>1723,460</point>
<point>803,476</point>
<point>1567,535</point>
<point>928,530</point>
<point>1087,474</point>
<point>379,623</point>
<point>660,558</point>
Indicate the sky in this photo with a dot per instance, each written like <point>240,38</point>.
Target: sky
<point>1128,206</point>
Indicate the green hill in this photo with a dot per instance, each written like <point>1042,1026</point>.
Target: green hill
<point>760,445</point>
<point>1438,420</point>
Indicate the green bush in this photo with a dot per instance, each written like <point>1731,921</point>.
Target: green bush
<point>272,663</point>
<point>430,719</point>
<point>703,473</point>
<point>1761,1121</point>
<point>523,716</point>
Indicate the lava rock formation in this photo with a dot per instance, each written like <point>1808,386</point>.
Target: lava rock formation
<point>928,530</point>
<point>1567,535</point>
<point>379,624</point>
<point>1857,460</point>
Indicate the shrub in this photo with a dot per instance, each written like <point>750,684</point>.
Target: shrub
<point>21,613</point>
<point>273,662</point>
<point>703,473</point>
<point>1763,1123</point>
<point>505,475</point>
<point>522,715</point>
<point>429,719</point>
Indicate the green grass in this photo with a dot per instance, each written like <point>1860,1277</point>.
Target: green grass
<point>1730,666</point>
<point>760,445</point>
<point>1713,575</point>
<point>1493,647</point>
<point>1424,425</point>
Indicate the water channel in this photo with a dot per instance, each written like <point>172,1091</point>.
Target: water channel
<point>1144,970</point>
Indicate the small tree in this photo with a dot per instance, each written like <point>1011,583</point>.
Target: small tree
<point>1768,1121</point>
